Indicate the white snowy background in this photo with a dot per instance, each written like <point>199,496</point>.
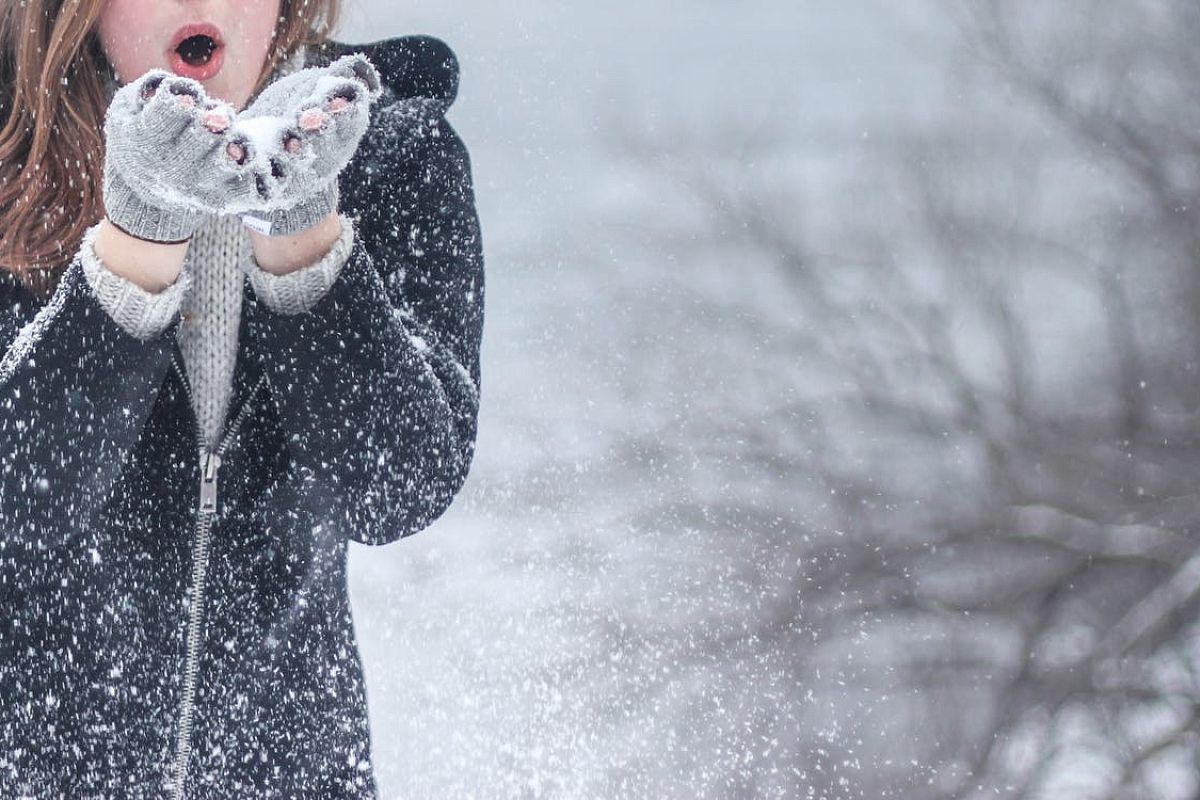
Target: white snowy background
<point>761,279</point>
<point>569,628</point>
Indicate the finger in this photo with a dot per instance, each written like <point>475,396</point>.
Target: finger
<point>150,84</point>
<point>131,98</point>
<point>356,66</point>
<point>342,96</point>
<point>216,121</point>
<point>312,119</point>
<point>238,151</point>
<point>186,91</point>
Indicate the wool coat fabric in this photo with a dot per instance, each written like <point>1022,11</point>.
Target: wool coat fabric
<point>172,625</point>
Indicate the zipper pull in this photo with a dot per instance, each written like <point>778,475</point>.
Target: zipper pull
<point>208,483</point>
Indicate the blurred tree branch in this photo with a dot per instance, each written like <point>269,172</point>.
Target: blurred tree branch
<point>973,471</point>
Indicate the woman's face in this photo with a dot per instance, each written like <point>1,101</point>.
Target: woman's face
<point>221,43</point>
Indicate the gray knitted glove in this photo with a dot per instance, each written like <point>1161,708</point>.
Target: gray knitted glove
<point>166,165</point>
<point>292,142</point>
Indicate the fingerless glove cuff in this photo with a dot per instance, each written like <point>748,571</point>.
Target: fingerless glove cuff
<point>300,217</point>
<point>135,216</point>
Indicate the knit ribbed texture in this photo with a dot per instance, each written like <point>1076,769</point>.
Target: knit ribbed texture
<point>303,216</point>
<point>208,294</point>
<point>212,310</point>
<point>135,216</point>
<point>297,292</point>
<point>144,314</point>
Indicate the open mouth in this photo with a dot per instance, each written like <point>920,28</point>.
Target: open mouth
<point>196,51</point>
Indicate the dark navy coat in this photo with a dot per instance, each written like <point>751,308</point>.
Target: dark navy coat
<point>171,613</point>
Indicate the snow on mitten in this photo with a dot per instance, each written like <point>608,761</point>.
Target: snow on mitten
<point>165,162</point>
<point>296,137</point>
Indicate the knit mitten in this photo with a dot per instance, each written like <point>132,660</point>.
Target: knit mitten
<point>296,137</point>
<point>165,164</point>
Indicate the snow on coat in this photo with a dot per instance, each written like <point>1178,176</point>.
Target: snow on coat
<point>139,633</point>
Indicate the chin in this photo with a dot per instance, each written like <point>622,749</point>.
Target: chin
<point>219,90</point>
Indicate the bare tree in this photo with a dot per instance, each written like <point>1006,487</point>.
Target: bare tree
<point>987,428</point>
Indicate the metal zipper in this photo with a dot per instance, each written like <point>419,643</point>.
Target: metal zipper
<point>210,463</point>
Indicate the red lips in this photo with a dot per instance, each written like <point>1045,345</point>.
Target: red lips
<point>197,51</point>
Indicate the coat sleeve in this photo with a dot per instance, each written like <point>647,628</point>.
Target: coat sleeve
<point>75,391</point>
<point>377,384</point>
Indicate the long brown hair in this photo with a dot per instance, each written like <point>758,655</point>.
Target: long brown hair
<point>55,85</point>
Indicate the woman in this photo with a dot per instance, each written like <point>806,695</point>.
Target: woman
<point>199,408</point>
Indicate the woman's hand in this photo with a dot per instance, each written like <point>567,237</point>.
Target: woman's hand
<point>175,155</point>
<point>292,142</point>
<point>167,163</point>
